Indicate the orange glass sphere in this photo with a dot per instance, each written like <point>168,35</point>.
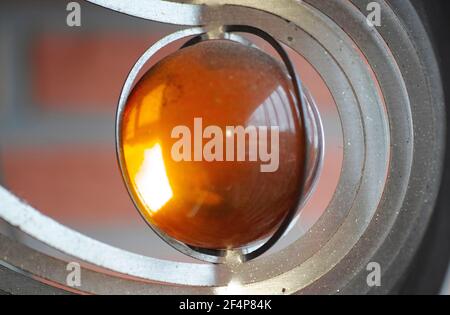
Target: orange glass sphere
<point>213,146</point>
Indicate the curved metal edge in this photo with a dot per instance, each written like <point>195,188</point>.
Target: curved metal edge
<point>429,69</point>
<point>429,140</point>
<point>301,107</point>
<point>189,12</point>
<point>156,10</point>
<point>413,217</point>
<point>51,233</point>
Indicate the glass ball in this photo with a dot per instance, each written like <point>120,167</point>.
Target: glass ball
<point>213,146</point>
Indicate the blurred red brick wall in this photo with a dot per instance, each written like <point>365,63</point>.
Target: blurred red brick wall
<point>83,72</point>
<point>75,73</point>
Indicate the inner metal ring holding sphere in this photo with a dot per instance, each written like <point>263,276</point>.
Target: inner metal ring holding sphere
<point>308,120</point>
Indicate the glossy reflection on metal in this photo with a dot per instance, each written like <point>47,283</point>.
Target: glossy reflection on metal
<point>197,35</point>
